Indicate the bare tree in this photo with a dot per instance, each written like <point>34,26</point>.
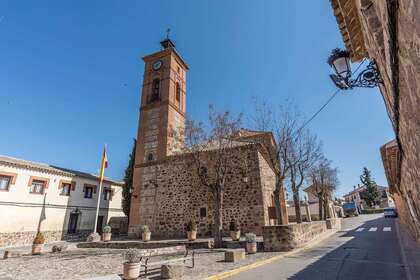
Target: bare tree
<point>295,152</point>
<point>212,152</point>
<point>324,179</point>
<point>305,151</point>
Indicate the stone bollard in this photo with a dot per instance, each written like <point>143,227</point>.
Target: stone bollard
<point>234,255</point>
<point>172,271</point>
<point>93,237</point>
<point>11,254</point>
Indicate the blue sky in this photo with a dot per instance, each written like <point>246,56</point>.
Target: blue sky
<point>71,71</point>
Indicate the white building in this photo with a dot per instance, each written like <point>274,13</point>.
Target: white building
<point>356,195</point>
<point>61,203</point>
<point>312,203</point>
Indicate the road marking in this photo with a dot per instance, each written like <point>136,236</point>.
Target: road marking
<point>373,229</point>
<point>387,229</point>
<point>360,229</point>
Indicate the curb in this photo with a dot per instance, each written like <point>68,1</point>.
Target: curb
<point>229,273</point>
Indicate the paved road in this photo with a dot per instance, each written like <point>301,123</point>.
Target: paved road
<point>366,248</point>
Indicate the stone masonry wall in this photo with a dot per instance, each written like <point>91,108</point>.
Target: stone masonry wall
<point>291,236</point>
<point>27,237</point>
<point>268,182</point>
<point>402,105</point>
<point>177,197</point>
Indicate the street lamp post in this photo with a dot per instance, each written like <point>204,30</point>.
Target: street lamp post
<point>339,60</point>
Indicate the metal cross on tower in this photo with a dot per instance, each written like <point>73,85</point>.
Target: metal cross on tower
<point>167,32</point>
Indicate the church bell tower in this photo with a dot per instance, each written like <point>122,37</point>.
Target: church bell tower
<point>162,113</point>
<point>162,107</point>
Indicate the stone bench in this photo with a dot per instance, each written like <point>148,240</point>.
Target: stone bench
<point>179,253</point>
<point>234,255</point>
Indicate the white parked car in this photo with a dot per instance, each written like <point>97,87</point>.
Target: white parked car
<point>390,212</point>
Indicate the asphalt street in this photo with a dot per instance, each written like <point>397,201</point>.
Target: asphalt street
<point>367,247</point>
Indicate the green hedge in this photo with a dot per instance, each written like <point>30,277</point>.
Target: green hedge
<point>372,211</point>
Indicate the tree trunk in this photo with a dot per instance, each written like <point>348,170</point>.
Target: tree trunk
<point>326,209</point>
<point>296,201</point>
<point>320,206</point>
<point>218,218</point>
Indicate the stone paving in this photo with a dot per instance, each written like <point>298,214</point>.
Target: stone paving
<point>85,263</point>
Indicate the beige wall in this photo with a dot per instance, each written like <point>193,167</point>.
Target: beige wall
<point>21,210</point>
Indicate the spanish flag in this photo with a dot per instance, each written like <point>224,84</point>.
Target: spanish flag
<point>104,164</point>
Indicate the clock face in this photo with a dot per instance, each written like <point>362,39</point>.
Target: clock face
<point>157,64</point>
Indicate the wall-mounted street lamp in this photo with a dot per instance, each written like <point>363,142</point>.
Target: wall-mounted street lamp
<point>339,60</point>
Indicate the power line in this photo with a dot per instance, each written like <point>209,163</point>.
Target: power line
<point>320,109</point>
<point>329,100</point>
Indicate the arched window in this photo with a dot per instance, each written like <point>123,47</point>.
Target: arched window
<point>150,157</point>
<point>155,91</point>
<point>178,93</point>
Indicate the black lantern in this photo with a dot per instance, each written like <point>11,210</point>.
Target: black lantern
<point>339,60</point>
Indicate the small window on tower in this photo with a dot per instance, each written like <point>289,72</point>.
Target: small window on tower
<point>178,93</point>
<point>150,157</point>
<point>155,91</point>
<point>179,70</point>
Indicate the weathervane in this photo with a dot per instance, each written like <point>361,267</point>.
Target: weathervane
<point>167,43</point>
<point>168,30</point>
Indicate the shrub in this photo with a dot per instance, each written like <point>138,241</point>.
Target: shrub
<point>145,228</point>
<point>233,226</point>
<point>132,256</point>
<point>250,238</point>
<point>39,239</point>
<point>106,229</point>
<point>192,226</point>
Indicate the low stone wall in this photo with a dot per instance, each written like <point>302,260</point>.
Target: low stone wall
<point>291,236</point>
<point>26,237</point>
<point>125,244</point>
<point>334,223</point>
<point>314,217</point>
<point>241,244</point>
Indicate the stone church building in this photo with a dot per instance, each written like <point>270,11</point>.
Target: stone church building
<point>167,192</point>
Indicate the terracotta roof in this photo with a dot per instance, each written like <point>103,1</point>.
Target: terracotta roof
<point>42,167</point>
<point>348,20</point>
<point>390,157</point>
<point>361,188</point>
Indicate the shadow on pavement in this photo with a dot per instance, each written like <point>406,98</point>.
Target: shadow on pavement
<point>367,255</point>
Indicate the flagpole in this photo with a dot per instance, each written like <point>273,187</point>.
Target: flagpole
<point>97,207</point>
<point>94,236</point>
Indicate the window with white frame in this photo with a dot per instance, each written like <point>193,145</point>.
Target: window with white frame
<point>5,182</point>
<point>107,194</point>
<point>88,191</point>
<point>37,187</point>
<point>65,189</point>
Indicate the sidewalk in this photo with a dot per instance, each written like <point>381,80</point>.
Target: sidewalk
<point>26,249</point>
<point>107,264</point>
<point>410,251</point>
